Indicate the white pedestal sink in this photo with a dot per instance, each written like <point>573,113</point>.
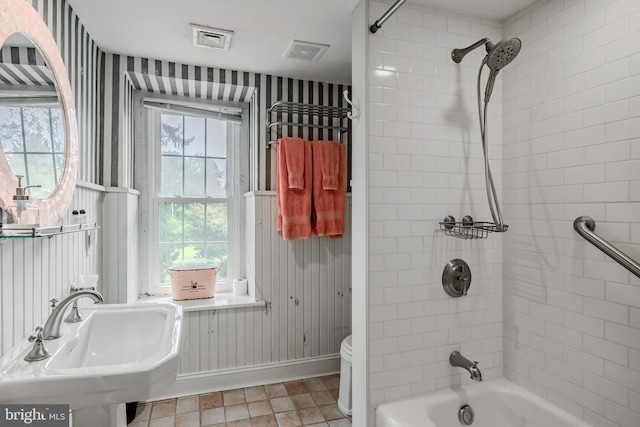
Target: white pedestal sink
<point>119,353</point>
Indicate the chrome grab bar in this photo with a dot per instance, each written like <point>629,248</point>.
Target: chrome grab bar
<point>584,226</point>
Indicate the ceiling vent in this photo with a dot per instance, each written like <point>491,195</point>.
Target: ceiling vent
<point>213,38</point>
<point>305,50</point>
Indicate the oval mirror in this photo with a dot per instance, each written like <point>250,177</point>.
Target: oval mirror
<point>38,130</point>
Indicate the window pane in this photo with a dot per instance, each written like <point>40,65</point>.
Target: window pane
<point>169,254</point>
<point>57,130</point>
<point>17,163</point>
<point>194,230</point>
<point>171,176</point>
<point>216,178</point>
<point>215,254</point>
<point>11,130</point>
<point>41,172</point>
<point>194,140</point>
<point>171,134</point>
<point>216,138</point>
<point>170,221</point>
<point>217,224</point>
<point>37,130</point>
<point>193,176</point>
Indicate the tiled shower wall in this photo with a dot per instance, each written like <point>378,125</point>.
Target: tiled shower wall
<point>572,148</point>
<point>425,162</point>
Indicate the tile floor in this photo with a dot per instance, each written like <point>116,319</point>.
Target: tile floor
<point>308,402</point>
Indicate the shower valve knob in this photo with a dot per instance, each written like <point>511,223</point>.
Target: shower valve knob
<point>456,278</point>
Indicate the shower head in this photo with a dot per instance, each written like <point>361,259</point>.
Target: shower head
<point>498,56</point>
<point>502,53</point>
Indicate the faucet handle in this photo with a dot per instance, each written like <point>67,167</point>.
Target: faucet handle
<point>38,351</point>
<point>36,333</point>
<point>53,302</point>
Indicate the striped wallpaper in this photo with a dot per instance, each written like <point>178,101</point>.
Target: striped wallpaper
<point>125,72</point>
<point>23,66</point>
<point>34,270</point>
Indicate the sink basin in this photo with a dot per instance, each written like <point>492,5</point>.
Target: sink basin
<point>118,353</point>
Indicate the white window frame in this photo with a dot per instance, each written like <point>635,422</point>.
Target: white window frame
<point>147,179</point>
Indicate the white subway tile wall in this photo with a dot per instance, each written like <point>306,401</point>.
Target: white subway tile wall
<point>574,342</point>
<point>550,311</point>
<point>425,162</point>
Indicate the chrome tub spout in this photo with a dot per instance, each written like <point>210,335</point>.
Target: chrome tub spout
<point>456,359</point>
<point>51,328</point>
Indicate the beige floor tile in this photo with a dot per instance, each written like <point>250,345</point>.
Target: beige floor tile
<point>264,421</point>
<point>318,425</point>
<point>332,381</point>
<point>302,400</point>
<point>254,394</point>
<point>143,423</point>
<point>236,412</point>
<point>331,412</point>
<point>188,419</point>
<point>211,400</point>
<point>335,392</point>
<point>187,404</point>
<point>288,419</point>
<point>216,425</point>
<point>315,384</point>
<point>275,390</point>
<point>163,408</point>
<point>212,416</point>
<point>310,415</point>
<point>162,422</point>
<point>233,397</point>
<point>323,397</point>
<point>262,407</point>
<point>344,422</point>
<point>282,404</point>
<point>295,387</point>
<point>239,423</point>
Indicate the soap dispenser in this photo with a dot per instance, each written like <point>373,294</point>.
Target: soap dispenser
<point>22,211</point>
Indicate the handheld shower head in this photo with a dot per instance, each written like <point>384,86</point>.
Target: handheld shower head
<point>499,56</point>
<point>502,53</point>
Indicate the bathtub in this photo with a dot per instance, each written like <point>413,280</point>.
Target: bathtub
<point>495,403</point>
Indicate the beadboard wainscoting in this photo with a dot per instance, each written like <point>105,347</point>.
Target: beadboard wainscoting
<point>306,285</point>
<point>32,271</point>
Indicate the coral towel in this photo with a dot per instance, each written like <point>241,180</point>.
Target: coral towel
<point>329,188</point>
<point>293,188</point>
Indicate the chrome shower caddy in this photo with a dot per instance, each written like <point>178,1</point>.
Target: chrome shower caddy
<point>470,229</point>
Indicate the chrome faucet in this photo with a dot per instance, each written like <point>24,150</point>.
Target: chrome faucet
<point>51,328</point>
<point>456,359</point>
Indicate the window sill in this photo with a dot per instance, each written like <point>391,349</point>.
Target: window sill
<point>221,301</point>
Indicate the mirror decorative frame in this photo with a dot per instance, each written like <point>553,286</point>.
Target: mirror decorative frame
<point>18,16</point>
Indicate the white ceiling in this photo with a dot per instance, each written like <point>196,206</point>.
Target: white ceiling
<point>263,29</point>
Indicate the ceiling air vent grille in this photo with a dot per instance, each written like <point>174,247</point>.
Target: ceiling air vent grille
<point>305,50</point>
<point>213,38</point>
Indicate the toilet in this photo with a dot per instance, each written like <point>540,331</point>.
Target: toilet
<point>344,394</point>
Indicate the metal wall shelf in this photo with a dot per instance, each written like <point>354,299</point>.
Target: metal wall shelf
<point>16,231</point>
<point>469,229</point>
<point>300,115</point>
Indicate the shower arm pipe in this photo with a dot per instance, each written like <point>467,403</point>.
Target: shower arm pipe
<point>584,226</point>
<point>376,25</point>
